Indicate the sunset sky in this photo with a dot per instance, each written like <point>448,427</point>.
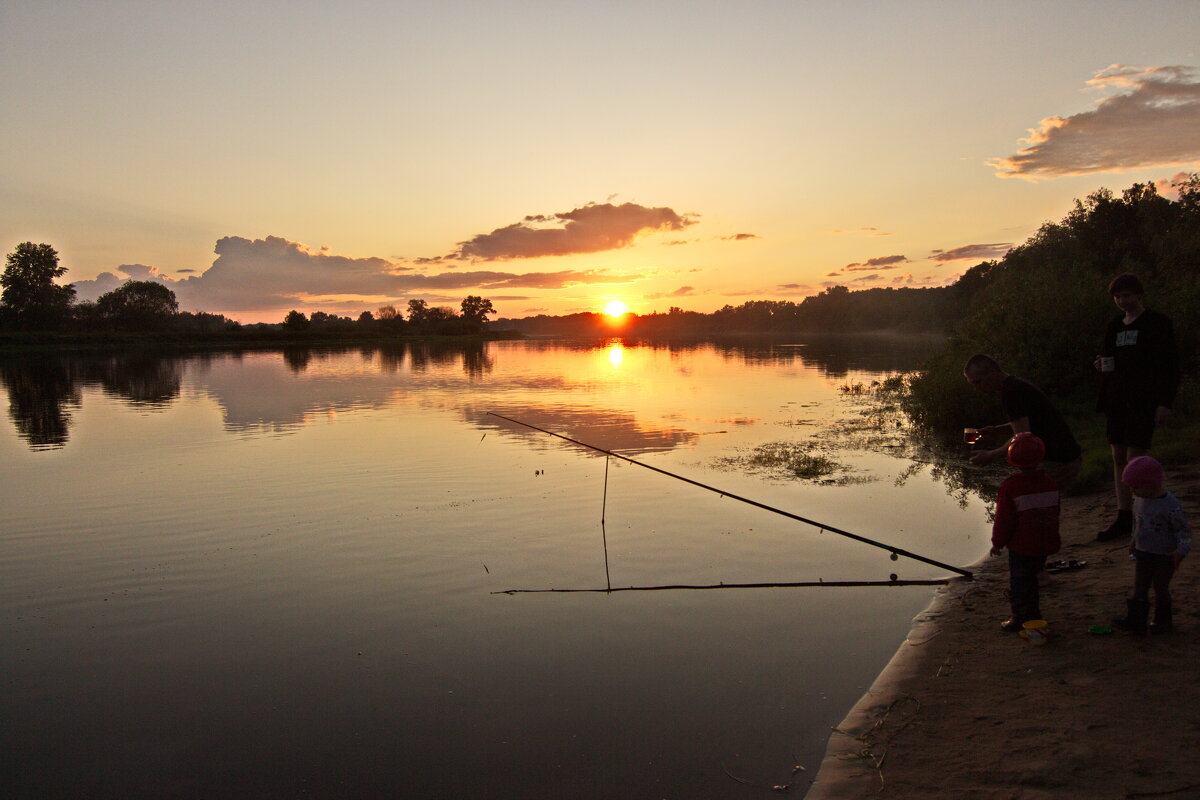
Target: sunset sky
<point>555,156</point>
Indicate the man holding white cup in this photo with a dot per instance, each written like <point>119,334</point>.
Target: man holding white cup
<point>1139,367</point>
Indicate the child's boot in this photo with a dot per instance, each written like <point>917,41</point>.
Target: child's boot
<point>1024,608</point>
<point>1162,617</point>
<point>1136,613</point>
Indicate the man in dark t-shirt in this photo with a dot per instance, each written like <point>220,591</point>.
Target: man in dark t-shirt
<point>1027,409</point>
<point>1139,367</point>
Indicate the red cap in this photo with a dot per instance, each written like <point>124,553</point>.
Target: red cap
<point>1026,450</point>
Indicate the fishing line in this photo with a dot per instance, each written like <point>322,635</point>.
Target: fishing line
<point>895,552</point>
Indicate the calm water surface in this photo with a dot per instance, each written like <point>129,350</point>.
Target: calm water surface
<point>274,574</point>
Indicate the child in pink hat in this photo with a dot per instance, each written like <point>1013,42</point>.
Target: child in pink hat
<point>1161,538</point>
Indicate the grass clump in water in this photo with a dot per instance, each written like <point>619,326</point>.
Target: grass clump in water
<point>793,458</point>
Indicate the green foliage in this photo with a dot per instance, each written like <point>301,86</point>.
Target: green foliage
<point>31,300</point>
<point>1041,310</point>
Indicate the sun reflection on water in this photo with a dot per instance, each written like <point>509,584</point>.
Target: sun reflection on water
<point>616,355</point>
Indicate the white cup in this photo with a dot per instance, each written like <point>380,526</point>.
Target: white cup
<point>1107,363</point>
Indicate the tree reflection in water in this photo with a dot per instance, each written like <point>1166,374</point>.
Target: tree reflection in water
<point>41,392</point>
<point>43,389</point>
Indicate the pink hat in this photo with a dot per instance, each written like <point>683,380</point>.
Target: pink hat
<point>1143,473</point>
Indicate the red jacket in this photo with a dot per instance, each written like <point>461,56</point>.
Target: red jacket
<point>1027,515</point>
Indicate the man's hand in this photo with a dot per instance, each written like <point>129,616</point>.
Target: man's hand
<point>984,458</point>
<point>997,551</point>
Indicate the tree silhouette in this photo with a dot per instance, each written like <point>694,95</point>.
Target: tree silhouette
<point>475,309</point>
<point>31,300</point>
<point>295,320</point>
<point>138,306</point>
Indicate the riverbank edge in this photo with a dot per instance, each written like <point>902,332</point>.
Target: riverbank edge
<point>842,769</point>
<point>962,709</point>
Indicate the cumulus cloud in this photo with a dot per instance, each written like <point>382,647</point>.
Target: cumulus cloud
<point>249,275</point>
<point>590,229</point>
<point>880,262</point>
<point>979,251</point>
<point>1152,121</point>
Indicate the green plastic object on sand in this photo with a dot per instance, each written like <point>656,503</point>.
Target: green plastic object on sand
<point>1100,630</point>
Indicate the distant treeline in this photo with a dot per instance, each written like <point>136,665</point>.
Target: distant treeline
<point>837,309</point>
<point>36,309</point>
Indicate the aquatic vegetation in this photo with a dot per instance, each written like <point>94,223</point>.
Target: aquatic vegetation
<point>802,460</point>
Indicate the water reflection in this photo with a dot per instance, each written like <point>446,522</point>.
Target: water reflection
<point>833,355</point>
<point>43,390</point>
<point>41,393</point>
<point>279,391</point>
<point>608,430</point>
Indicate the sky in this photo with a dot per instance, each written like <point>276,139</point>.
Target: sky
<point>261,156</point>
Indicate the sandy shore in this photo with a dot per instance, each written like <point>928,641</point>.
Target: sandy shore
<point>964,710</point>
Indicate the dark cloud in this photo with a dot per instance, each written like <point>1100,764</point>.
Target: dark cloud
<point>741,237</point>
<point>251,275</point>
<point>590,229</point>
<point>185,271</point>
<point>978,251</point>
<point>676,242</point>
<point>1153,123</point>
<point>881,262</point>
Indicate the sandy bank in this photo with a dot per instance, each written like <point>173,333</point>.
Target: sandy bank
<point>965,710</point>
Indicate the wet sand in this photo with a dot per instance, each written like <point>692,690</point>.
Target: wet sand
<point>966,710</point>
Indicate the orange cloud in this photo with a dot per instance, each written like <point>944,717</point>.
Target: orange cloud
<point>590,229</point>
<point>980,251</point>
<point>251,275</point>
<point>880,262</point>
<point>1153,123</point>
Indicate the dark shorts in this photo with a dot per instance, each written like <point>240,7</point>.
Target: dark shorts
<point>1131,426</point>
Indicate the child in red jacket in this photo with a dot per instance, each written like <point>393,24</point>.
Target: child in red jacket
<point>1027,524</point>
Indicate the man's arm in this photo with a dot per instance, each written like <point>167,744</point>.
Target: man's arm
<point>1018,425</point>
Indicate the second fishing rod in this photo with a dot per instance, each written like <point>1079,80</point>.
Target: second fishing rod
<point>894,551</point>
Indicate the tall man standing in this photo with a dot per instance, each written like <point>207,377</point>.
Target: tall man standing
<point>1139,367</point>
<point>1026,408</point>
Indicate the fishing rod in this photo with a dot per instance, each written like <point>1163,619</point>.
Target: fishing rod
<point>677,586</point>
<point>895,551</point>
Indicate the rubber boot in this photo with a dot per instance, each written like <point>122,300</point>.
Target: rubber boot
<point>1137,611</point>
<point>1162,617</point>
<point>1023,609</point>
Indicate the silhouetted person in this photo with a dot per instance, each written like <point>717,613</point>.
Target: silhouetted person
<point>1028,410</point>
<point>1139,367</point>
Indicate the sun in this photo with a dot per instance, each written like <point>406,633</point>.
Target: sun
<point>614,308</point>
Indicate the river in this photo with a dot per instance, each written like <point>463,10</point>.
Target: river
<point>279,573</point>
